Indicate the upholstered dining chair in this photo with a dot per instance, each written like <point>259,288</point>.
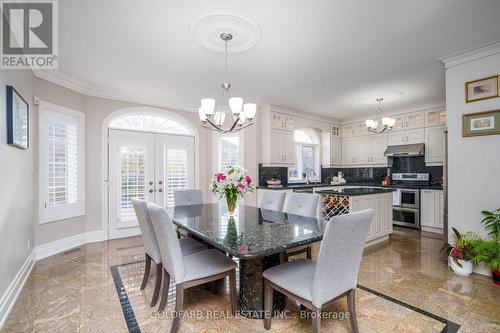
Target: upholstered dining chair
<point>191,270</point>
<point>188,246</point>
<point>188,197</point>
<point>273,200</point>
<point>315,285</point>
<point>303,204</point>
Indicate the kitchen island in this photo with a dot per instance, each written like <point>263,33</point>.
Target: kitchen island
<point>341,200</point>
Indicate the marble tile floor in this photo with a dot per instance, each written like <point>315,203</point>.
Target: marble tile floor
<point>404,286</point>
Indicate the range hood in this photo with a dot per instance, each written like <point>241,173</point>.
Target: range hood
<point>405,150</point>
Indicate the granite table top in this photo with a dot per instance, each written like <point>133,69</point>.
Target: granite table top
<point>251,232</point>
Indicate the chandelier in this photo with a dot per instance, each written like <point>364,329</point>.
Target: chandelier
<point>242,114</point>
<point>387,122</point>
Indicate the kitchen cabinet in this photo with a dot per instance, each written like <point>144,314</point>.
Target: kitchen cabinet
<point>406,137</point>
<point>282,147</point>
<point>349,151</point>
<point>348,131</point>
<point>364,150</point>
<point>360,129</point>
<point>336,151</point>
<point>414,120</point>
<point>282,121</point>
<point>434,145</point>
<point>432,210</point>
<point>435,117</point>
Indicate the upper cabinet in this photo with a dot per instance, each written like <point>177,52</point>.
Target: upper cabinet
<point>435,117</point>
<point>414,120</point>
<point>348,131</point>
<point>365,150</point>
<point>282,121</point>
<point>406,137</point>
<point>434,145</point>
<point>278,144</point>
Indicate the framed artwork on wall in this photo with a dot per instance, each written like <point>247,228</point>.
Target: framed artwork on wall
<point>481,123</point>
<point>17,119</point>
<point>478,90</point>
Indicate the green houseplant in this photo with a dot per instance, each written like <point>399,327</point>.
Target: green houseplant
<point>462,253</point>
<point>488,251</point>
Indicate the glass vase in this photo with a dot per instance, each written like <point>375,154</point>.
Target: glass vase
<point>232,199</point>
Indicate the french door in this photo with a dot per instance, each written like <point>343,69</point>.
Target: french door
<point>146,166</point>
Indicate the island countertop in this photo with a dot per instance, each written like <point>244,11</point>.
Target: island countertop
<point>349,192</point>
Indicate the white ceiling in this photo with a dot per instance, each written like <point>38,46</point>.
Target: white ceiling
<point>318,56</point>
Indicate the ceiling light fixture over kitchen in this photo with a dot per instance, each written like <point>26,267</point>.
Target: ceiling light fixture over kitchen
<point>387,122</point>
<point>242,114</point>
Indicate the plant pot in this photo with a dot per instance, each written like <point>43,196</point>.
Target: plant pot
<point>496,276</point>
<point>466,268</point>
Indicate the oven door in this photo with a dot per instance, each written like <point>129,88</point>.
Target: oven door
<point>410,198</point>
<point>407,217</point>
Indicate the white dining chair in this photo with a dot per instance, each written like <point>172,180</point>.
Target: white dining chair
<point>187,271</point>
<point>303,204</point>
<point>316,285</point>
<point>188,197</point>
<point>273,200</point>
<point>151,248</point>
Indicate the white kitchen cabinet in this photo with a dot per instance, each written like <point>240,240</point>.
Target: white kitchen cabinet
<point>364,145</point>
<point>432,210</point>
<point>435,117</point>
<point>406,137</point>
<point>282,121</point>
<point>400,122</point>
<point>379,142</point>
<point>381,204</point>
<point>360,129</point>
<point>349,151</point>
<point>282,147</point>
<point>434,145</point>
<point>336,151</point>
<point>414,120</point>
<point>348,131</point>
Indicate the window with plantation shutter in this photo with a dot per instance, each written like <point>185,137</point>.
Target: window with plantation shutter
<point>61,163</point>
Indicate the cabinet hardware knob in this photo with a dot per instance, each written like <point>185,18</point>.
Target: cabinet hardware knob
<point>151,182</point>
<point>150,190</point>
<point>160,190</point>
<point>160,182</point>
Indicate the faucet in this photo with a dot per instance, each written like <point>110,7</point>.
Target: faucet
<point>308,173</point>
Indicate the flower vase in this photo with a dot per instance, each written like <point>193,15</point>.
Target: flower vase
<point>460,267</point>
<point>232,200</point>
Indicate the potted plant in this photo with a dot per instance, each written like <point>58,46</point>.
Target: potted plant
<point>462,253</point>
<point>231,183</point>
<point>488,251</point>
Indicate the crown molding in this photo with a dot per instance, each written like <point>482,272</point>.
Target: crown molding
<point>472,54</point>
<point>79,86</point>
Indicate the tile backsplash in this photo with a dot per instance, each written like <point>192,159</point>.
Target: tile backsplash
<point>399,165</point>
<point>266,173</point>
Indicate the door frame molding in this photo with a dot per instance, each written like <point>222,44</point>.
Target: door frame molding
<point>105,152</point>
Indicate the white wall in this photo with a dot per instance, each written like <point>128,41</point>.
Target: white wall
<point>474,162</point>
<point>17,186</point>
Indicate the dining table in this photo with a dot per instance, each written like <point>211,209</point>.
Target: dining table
<point>256,238</point>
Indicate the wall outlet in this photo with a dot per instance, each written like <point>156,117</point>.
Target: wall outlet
<point>29,244</point>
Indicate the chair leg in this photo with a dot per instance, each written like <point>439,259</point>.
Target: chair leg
<point>146,272</point>
<point>156,292</point>
<point>179,303</point>
<point>164,295</point>
<point>232,287</point>
<point>309,252</point>
<point>316,320</point>
<point>351,306</point>
<point>268,304</point>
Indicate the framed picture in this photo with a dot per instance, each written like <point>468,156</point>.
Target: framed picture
<point>482,89</point>
<point>17,119</point>
<point>481,123</point>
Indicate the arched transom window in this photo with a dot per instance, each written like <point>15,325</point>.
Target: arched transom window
<point>149,123</point>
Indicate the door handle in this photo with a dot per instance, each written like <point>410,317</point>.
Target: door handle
<point>160,190</point>
<point>151,182</point>
<point>160,182</point>
<point>150,190</point>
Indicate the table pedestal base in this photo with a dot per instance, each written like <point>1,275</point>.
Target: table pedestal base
<point>252,286</point>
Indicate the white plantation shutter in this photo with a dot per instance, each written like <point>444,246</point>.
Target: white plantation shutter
<point>132,180</point>
<point>177,172</point>
<point>61,163</point>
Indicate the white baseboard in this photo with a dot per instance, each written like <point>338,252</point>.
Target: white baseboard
<point>65,244</point>
<point>12,293</point>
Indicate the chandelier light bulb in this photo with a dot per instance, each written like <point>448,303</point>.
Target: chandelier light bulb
<point>242,117</point>
<point>250,110</point>
<point>201,114</point>
<point>208,105</point>
<point>219,118</point>
<point>386,121</point>
<point>236,104</point>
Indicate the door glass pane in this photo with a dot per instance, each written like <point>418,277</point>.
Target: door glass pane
<point>307,159</point>
<point>177,172</point>
<point>132,181</point>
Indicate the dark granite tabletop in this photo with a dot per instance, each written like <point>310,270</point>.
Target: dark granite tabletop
<point>349,192</point>
<point>252,232</point>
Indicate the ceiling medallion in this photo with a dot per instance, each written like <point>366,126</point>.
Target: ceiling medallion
<point>207,30</point>
<point>242,114</point>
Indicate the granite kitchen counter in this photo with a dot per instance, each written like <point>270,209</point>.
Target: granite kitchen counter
<point>349,192</point>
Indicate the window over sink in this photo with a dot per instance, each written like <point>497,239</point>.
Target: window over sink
<point>307,156</point>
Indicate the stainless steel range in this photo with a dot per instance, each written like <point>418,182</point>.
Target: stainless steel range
<point>406,200</point>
